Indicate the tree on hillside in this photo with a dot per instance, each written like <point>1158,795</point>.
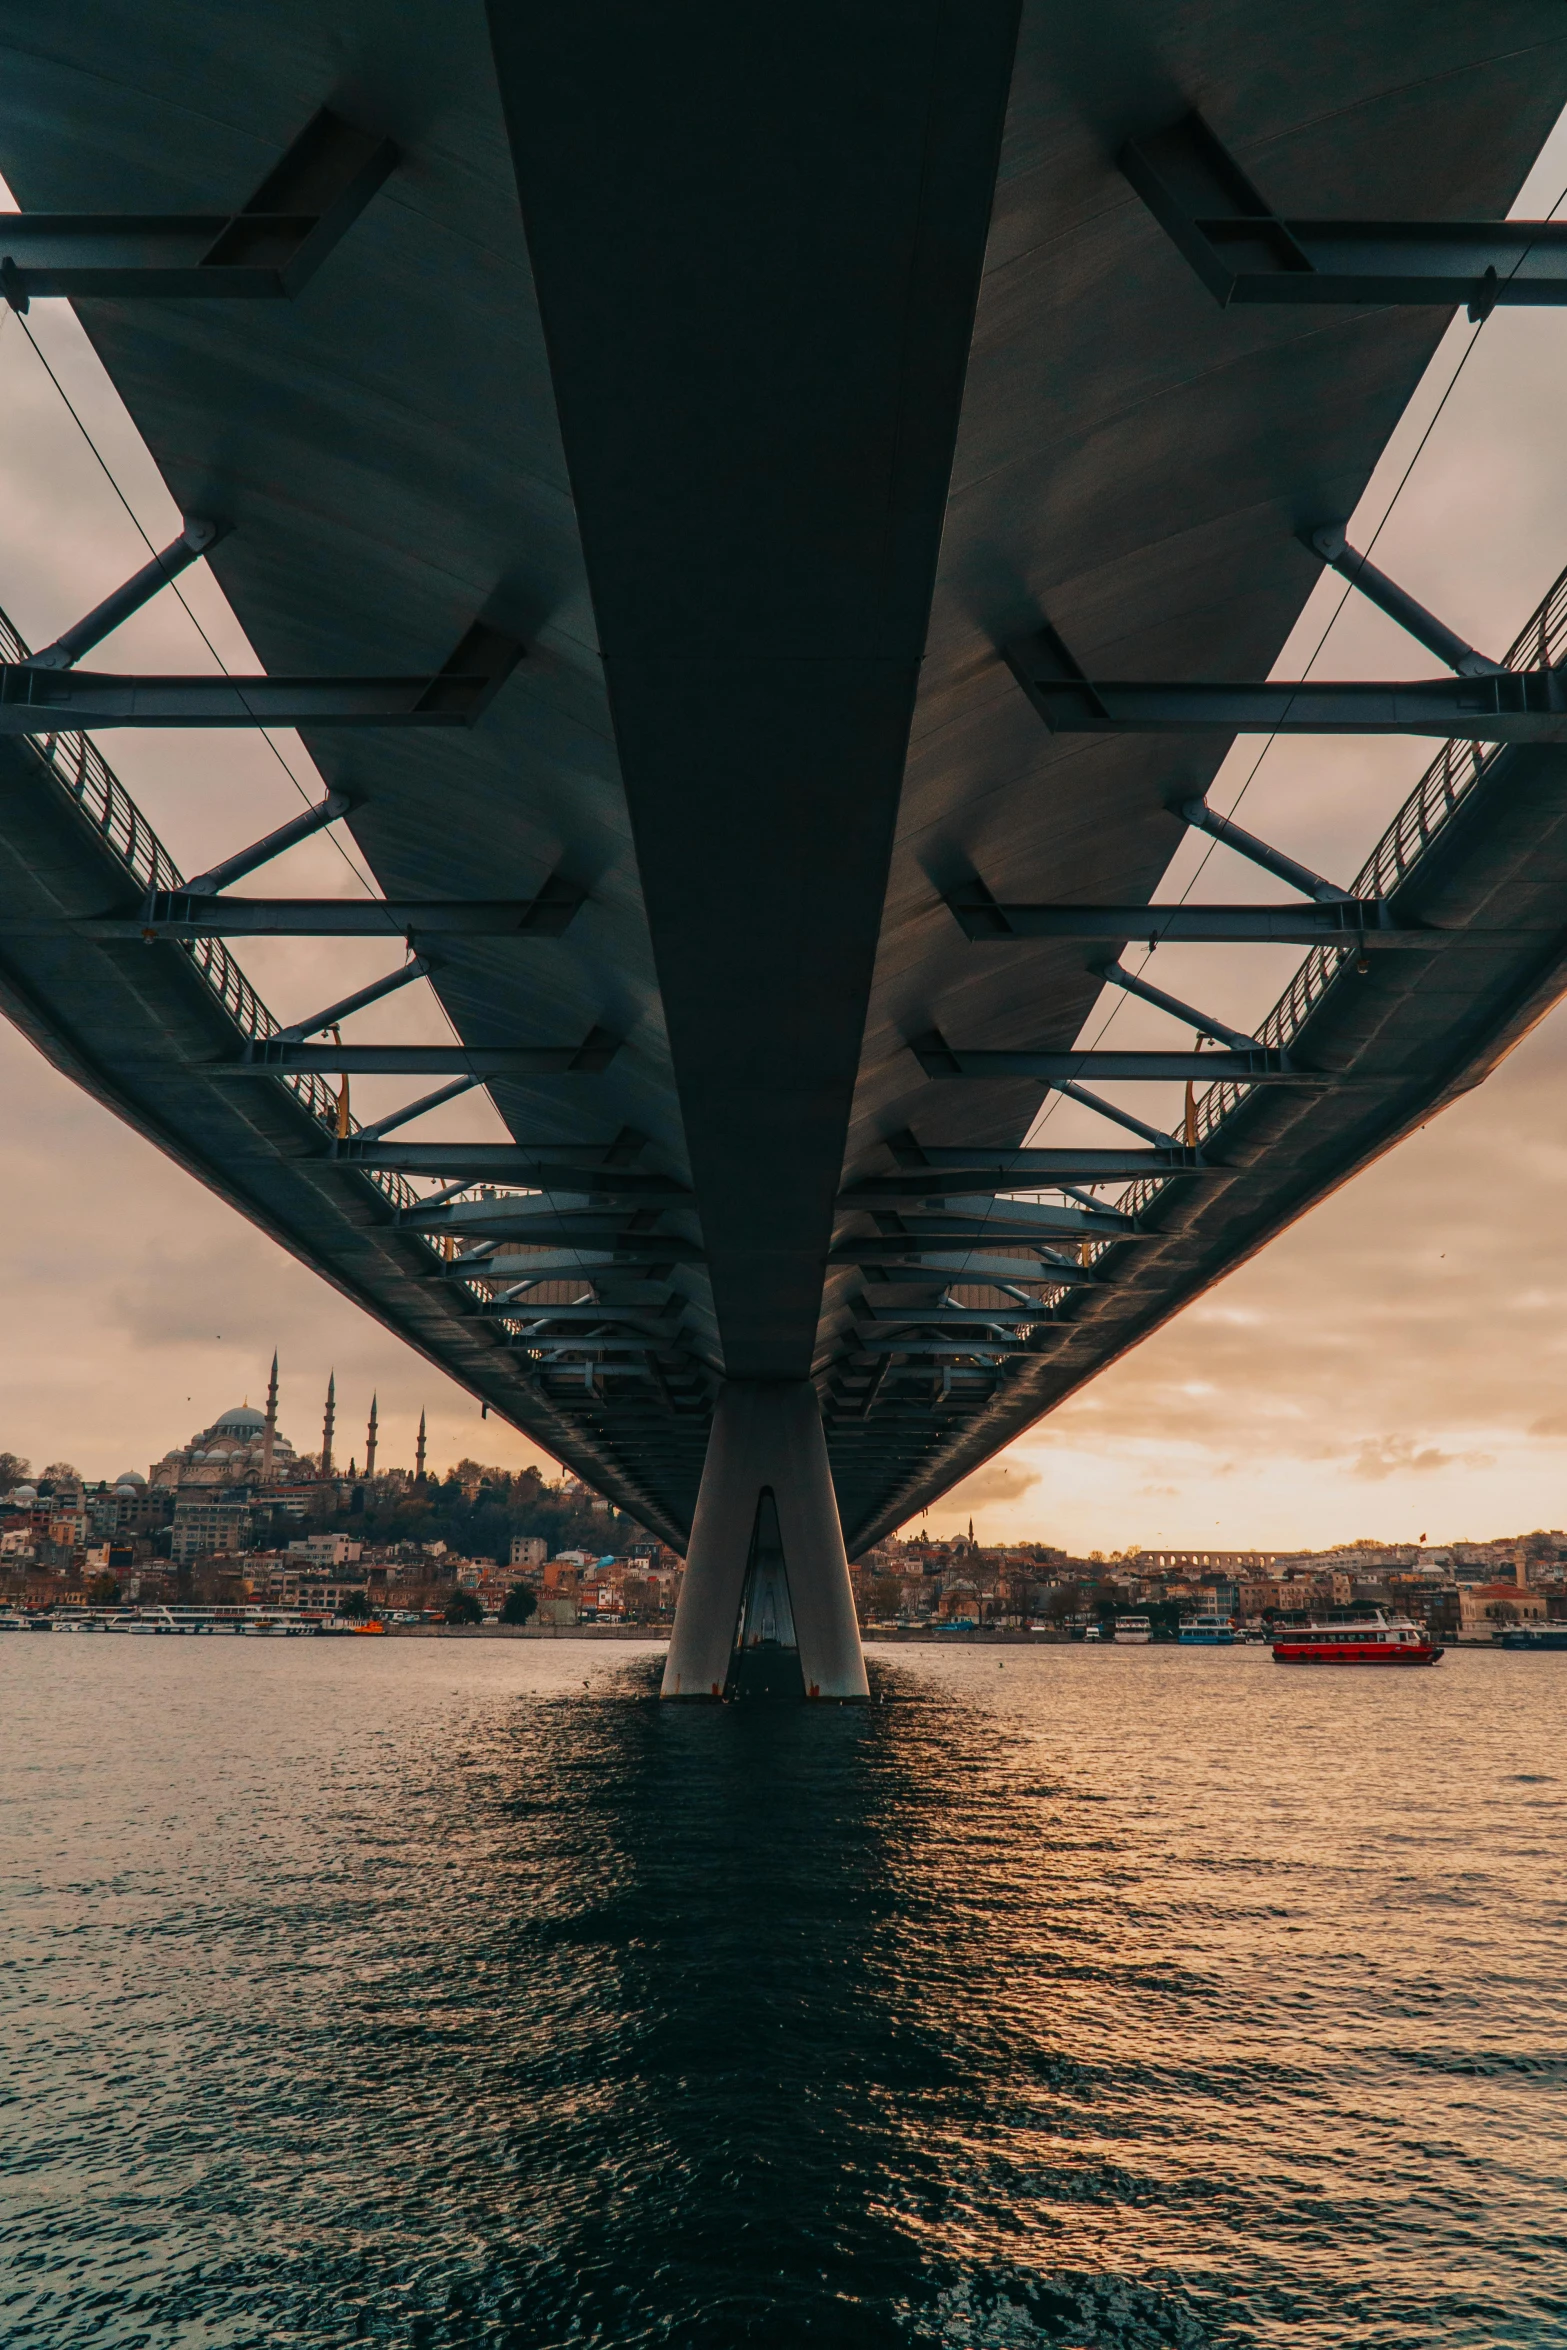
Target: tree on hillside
<point>13,1470</point>
<point>518,1605</point>
<point>477,1512</point>
<point>465,1607</point>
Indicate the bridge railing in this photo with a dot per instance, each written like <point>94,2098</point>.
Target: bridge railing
<point>1458,766</point>
<point>77,765</point>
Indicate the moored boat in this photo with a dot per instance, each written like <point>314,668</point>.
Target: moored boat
<point>1375,1640</point>
<point>1132,1629</point>
<point>1208,1632</point>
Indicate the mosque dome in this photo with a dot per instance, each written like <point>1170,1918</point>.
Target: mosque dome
<point>24,1493</point>
<point>130,1477</point>
<point>243,1420</point>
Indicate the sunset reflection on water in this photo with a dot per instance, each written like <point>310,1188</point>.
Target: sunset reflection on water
<point>450,1997</point>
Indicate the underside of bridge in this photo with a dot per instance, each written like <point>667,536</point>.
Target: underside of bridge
<point>690,473</point>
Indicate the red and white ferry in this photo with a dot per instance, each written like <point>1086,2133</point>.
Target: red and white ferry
<point>1376,1640</point>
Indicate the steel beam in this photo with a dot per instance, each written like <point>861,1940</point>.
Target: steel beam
<point>607,1352</point>
<point>586,1254</point>
<point>1016,1219</point>
<point>635,1289</point>
<point>566,1259</point>
<point>308,822</point>
<point>966,1193</point>
<point>969,1265</point>
<point>971,1246</point>
<point>1511,706</point>
<point>270,1057</point>
<point>1346,922</point>
<point>975,1354</point>
<point>404,1117</point>
<point>602,1161</point>
<point>55,701</point>
<point>452,1191</point>
<point>1130,983</point>
<point>192,913</point>
<point>1042,1160</point>
<point>193,542</point>
<point>1244,251</point>
<point>973,1177</point>
<point>513,1219</point>
<point>1259,1066</point>
<point>268,250</point>
<point>1335,550</point>
<point>607,1230</point>
<point>359,1001</point>
<point>949,1317</point>
<point>1117,1116</point>
<point>502,1162</point>
<point>906,1418</point>
<point>644,1319</point>
<point>1198,814</point>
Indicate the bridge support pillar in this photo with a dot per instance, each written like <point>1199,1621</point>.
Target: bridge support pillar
<point>766,1608</point>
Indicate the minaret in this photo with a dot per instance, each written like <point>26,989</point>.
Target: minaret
<point>326,1426</point>
<point>370,1444</point>
<point>269,1433</point>
<point>419,1452</point>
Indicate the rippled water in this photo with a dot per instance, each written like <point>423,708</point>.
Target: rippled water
<point>462,1995</point>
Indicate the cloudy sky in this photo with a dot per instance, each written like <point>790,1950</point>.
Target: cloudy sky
<point>1395,1365</point>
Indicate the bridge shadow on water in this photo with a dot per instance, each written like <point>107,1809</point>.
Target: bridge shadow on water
<point>755,2002</point>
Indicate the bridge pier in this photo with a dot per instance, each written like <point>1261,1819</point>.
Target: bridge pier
<point>766,1541</point>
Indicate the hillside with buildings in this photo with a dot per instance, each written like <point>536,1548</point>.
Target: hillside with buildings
<point>239,1514</point>
<point>1459,1589</point>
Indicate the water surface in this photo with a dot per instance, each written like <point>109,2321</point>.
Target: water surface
<point>461,1995</point>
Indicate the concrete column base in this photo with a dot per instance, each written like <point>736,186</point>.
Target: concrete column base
<point>767,1438</point>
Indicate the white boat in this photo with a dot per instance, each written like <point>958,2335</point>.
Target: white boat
<point>1132,1629</point>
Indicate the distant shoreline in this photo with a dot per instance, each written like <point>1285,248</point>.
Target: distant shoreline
<point>658,1635</point>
